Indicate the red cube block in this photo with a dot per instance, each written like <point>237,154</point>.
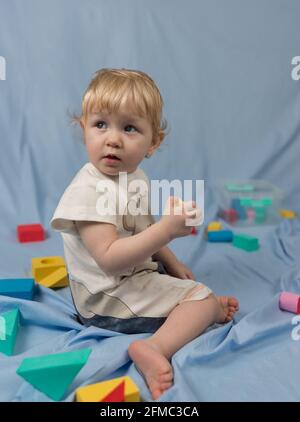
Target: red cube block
<point>30,233</point>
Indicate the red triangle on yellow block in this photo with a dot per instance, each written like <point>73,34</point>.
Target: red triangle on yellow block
<point>116,395</point>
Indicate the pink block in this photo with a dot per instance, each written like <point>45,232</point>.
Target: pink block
<point>290,302</point>
<point>250,214</point>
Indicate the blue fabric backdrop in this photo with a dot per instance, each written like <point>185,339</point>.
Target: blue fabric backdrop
<point>224,70</point>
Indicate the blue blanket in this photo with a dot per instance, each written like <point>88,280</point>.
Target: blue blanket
<point>224,70</point>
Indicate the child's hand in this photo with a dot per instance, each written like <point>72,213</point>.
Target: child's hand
<point>179,217</point>
<point>179,270</point>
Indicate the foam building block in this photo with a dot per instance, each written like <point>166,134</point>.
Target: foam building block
<point>220,236</point>
<point>248,243</point>
<point>287,214</point>
<point>230,215</point>
<point>289,301</point>
<point>250,214</point>
<point>236,205</point>
<point>50,271</point>
<point>240,188</point>
<point>53,374</point>
<point>214,226</point>
<point>194,231</point>
<point>30,233</point>
<point>9,325</point>
<point>59,278</point>
<point>22,288</point>
<point>118,389</point>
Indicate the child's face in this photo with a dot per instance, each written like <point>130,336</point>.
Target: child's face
<point>123,134</point>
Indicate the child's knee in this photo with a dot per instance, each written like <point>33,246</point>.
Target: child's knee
<point>197,293</point>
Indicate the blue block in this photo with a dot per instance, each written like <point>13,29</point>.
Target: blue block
<point>236,204</point>
<point>220,236</point>
<point>22,288</point>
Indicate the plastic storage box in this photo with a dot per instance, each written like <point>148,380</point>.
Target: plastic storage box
<point>250,202</point>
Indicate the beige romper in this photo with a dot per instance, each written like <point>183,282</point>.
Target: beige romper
<point>139,298</point>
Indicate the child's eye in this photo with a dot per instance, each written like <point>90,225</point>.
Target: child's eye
<point>130,128</point>
<point>100,125</point>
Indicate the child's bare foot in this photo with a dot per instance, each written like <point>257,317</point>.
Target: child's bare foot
<point>229,306</point>
<point>153,365</point>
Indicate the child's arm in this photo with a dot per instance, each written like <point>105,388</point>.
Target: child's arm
<point>114,255</point>
<point>165,256</point>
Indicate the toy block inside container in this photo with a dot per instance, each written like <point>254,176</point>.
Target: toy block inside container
<point>240,209</point>
<point>255,202</point>
<point>53,374</point>
<point>50,271</point>
<point>243,241</point>
<point>9,325</point>
<point>30,233</point>
<point>22,288</point>
<point>121,389</point>
<point>230,215</point>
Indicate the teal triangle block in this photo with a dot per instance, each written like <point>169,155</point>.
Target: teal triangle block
<point>52,374</point>
<point>9,325</point>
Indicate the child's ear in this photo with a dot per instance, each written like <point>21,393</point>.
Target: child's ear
<point>156,141</point>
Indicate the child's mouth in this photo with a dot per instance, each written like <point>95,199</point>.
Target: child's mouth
<point>111,157</point>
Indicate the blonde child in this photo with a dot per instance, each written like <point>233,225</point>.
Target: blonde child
<point>112,258</point>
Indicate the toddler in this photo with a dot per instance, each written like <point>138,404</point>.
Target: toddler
<point>112,257</point>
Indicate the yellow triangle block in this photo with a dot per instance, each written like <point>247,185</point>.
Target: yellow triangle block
<point>42,267</point>
<point>59,278</point>
<point>97,392</point>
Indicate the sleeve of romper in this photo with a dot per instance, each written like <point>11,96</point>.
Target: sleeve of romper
<point>88,201</point>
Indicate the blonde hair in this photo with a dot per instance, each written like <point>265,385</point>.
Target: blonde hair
<point>112,88</point>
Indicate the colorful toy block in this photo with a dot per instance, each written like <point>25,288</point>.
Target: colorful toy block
<point>50,271</point>
<point>53,374</point>
<point>220,236</point>
<point>260,214</point>
<point>250,214</point>
<point>236,205</point>
<point>251,202</point>
<point>214,226</point>
<point>121,389</point>
<point>248,243</point>
<point>30,233</point>
<point>59,278</point>
<point>9,326</point>
<point>240,188</point>
<point>22,288</point>
<point>287,214</point>
<point>289,301</point>
<point>230,215</point>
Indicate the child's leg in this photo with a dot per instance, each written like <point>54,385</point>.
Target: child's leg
<point>185,322</point>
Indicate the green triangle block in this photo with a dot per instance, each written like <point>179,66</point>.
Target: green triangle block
<point>9,324</point>
<point>52,374</point>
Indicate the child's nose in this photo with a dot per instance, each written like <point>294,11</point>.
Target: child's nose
<point>114,140</point>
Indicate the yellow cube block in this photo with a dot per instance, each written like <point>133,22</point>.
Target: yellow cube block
<point>214,226</point>
<point>44,266</point>
<point>287,214</point>
<point>98,392</point>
